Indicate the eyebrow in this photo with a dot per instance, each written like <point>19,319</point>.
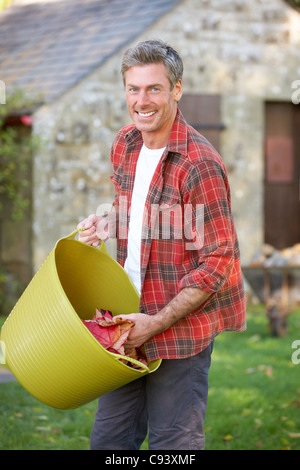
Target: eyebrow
<point>148,86</point>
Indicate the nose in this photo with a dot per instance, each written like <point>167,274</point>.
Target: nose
<point>142,98</point>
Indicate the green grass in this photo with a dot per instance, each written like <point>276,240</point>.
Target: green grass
<point>254,399</point>
<point>254,395</point>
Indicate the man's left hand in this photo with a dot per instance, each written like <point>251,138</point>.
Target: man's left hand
<point>142,331</point>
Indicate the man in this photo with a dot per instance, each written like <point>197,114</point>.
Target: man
<point>178,243</point>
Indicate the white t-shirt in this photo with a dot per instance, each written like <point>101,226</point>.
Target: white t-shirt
<point>146,166</point>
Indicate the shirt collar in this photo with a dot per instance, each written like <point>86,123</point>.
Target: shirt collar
<point>178,136</point>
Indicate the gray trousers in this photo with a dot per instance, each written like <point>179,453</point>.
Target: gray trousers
<point>170,402</point>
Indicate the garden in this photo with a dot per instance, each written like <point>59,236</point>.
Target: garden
<point>254,398</point>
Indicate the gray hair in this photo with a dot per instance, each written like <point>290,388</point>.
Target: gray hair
<point>153,52</point>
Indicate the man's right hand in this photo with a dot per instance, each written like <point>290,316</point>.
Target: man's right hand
<point>96,229</point>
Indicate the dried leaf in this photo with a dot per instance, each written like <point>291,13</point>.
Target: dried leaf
<point>42,418</point>
<point>57,431</point>
<point>294,435</point>
<point>227,438</point>
<point>43,428</point>
<point>112,333</point>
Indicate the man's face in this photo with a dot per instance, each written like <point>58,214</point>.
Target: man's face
<point>151,103</point>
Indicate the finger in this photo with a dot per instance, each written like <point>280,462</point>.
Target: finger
<point>89,221</point>
<point>87,237</point>
<point>88,232</point>
<point>91,240</point>
<point>92,219</point>
<point>81,224</point>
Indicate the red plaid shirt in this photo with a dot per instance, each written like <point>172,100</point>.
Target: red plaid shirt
<point>189,238</point>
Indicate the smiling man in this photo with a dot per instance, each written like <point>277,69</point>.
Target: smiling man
<point>151,102</point>
<point>191,286</point>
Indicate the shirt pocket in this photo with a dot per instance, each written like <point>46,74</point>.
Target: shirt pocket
<point>169,197</point>
<point>170,216</point>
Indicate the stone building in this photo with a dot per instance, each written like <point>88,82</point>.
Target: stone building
<point>241,90</point>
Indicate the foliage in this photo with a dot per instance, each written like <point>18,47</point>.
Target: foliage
<point>294,3</point>
<point>17,146</point>
<point>254,399</point>
<point>15,156</point>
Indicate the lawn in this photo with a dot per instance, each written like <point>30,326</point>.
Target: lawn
<point>254,398</point>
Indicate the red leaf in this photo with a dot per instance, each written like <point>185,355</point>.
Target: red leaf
<point>112,334</point>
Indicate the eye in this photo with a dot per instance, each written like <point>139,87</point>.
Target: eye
<point>132,90</point>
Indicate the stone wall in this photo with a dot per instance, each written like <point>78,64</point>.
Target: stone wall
<point>247,52</point>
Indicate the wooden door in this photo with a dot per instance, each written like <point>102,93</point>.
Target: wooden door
<point>282,174</point>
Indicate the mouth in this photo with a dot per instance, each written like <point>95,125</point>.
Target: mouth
<point>145,115</point>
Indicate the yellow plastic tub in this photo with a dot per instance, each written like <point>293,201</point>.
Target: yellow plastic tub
<point>48,348</point>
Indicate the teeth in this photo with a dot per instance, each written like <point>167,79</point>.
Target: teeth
<point>147,114</point>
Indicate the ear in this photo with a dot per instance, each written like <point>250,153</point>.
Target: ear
<point>177,91</point>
